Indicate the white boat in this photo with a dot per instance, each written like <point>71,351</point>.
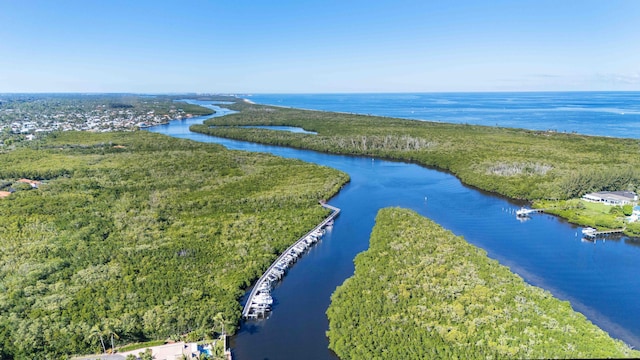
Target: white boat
<point>277,272</point>
<point>589,231</point>
<point>522,212</point>
<point>280,266</point>
<point>262,307</point>
<point>264,287</point>
<point>262,298</point>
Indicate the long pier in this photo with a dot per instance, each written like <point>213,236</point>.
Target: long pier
<point>259,300</point>
<point>592,233</point>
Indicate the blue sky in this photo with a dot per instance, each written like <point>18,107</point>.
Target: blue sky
<point>222,46</point>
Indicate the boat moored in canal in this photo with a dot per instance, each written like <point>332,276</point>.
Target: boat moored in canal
<point>259,301</point>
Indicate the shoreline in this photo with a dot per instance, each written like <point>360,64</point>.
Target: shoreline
<point>519,202</point>
<point>548,131</point>
<point>579,306</point>
<point>415,160</point>
<point>392,242</point>
<point>428,111</point>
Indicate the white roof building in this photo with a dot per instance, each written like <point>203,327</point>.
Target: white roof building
<point>612,197</point>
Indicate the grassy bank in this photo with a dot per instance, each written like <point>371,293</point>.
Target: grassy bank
<point>142,236</point>
<point>420,292</point>
<point>595,215</point>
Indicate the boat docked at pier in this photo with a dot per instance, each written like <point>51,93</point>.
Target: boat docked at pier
<point>260,300</point>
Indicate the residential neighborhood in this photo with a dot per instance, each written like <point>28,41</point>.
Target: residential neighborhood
<point>102,119</point>
<point>25,117</point>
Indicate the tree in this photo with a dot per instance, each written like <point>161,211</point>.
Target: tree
<point>146,355</point>
<point>96,331</point>
<point>108,329</point>
<point>113,334</point>
<point>219,317</point>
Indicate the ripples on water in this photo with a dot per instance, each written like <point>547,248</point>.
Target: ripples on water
<point>600,279</point>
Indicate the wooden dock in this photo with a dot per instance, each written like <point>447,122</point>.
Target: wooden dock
<point>251,311</point>
<point>592,233</point>
<point>525,212</point>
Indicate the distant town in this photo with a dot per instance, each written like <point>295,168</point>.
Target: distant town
<point>24,117</point>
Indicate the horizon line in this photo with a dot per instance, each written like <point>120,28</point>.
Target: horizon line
<point>307,93</point>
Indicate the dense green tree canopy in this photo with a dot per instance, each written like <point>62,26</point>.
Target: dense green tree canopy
<point>520,164</point>
<point>142,236</point>
<point>420,292</point>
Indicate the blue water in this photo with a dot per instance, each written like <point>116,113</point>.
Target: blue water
<point>599,279</point>
<point>615,114</point>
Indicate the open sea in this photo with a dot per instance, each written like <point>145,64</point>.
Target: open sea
<point>615,114</point>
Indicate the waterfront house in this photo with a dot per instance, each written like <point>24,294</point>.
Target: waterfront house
<point>612,197</point>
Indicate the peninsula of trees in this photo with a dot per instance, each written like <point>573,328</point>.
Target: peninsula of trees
<point>519,164</point>
<point>420,292</point>
<point>140,236</point>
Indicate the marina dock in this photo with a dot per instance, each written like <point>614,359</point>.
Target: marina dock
<point>259,301</point>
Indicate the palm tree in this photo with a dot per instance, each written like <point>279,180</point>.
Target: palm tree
<point>96,331</point>
<point>219,352</point>
<point>112,333</point>
<point>220,318</point>
<point>108,329</point>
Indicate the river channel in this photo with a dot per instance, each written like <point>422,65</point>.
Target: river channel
<point>600,278</point>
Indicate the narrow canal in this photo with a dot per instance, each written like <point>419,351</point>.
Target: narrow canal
<point>599,279</point>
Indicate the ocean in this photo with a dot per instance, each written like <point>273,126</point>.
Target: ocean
<point>614,114</point>
<point>597,277</point>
